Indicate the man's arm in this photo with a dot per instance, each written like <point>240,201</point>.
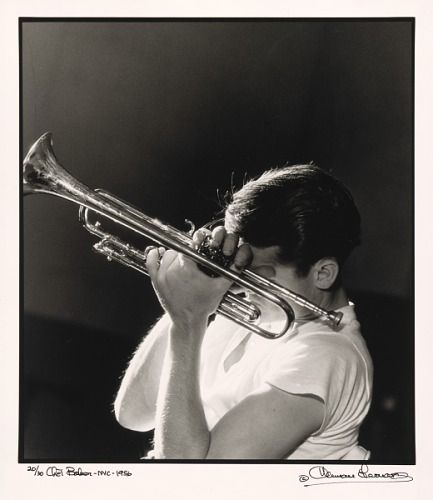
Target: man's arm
<point>135,402</point>
<point>268,424</point>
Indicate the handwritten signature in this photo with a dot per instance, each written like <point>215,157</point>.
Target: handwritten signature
<point>54,471</point>
<point>362,475</point>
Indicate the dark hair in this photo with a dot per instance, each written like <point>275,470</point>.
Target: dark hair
<point>302,209</point>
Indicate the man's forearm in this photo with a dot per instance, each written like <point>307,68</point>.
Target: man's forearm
<point>181,429</point>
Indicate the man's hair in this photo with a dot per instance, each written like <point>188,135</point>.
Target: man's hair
<point>302,209</point>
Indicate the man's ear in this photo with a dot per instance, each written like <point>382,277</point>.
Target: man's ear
<point>325,272</point>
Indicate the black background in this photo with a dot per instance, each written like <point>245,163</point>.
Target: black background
<point>169,115</point>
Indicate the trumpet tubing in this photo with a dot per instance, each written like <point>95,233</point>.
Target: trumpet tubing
<point>42,173</point>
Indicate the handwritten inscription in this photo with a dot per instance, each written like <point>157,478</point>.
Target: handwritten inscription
<point>69,471</point>
<point>319,475</point>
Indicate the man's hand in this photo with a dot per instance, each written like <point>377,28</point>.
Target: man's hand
<point>184,291</point>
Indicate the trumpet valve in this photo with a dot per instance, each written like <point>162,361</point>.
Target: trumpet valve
<point>215,255</point>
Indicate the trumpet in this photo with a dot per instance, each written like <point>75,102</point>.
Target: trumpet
<point>42,173</point>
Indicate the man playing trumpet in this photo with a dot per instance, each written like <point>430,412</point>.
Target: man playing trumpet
<point>214,390</point>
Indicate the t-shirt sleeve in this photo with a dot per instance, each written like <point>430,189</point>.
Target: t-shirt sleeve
<point>308,367</point>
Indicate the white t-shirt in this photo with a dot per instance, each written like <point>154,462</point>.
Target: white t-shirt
<point>311,358</point>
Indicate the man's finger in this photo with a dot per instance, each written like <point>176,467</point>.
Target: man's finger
<point>243,257</point>
<point>218,236</point>
<point>230,244</point>
<point>152,261</point>
<point>199,236</point>
<point>148,249</point>
<point>167,260</point>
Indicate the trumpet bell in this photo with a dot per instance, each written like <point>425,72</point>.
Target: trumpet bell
<point>40,165</point>
<point>42,173</point>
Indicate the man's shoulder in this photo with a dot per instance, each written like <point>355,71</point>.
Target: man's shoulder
<point>324,342</point>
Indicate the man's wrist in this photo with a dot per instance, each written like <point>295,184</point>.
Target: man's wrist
<point>189,327</point>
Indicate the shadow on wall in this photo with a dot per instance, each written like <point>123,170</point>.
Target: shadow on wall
<point>388,328</point>
<point>71,375</point>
